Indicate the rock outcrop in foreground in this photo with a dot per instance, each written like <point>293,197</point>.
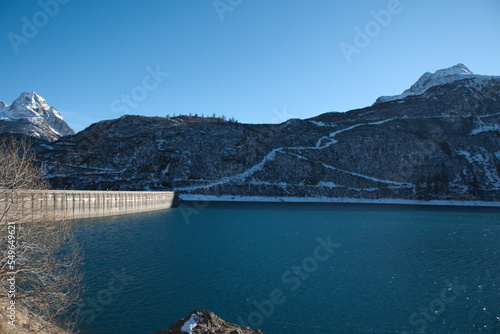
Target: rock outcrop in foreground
<point>201,321</point>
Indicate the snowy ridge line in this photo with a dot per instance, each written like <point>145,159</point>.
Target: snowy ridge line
<point>374,179</point>
<point>299,156</point>
<point>332,141</point>
<point>270,156</point>
<point>446,116</point>
<point>319,185</point>
<point>481,126</point>
<point>264,199</point>
<point>92,168</point>
<point>317,123</point>
<point>489,115</point>
<point>486,128</point>
<point>267,183</point>
<point>419,117</point>
<point>333,134</point>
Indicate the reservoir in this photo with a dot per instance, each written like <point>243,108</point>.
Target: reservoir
<point>295,268</point>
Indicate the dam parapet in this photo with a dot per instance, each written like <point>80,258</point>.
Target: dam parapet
<point>79,204</point>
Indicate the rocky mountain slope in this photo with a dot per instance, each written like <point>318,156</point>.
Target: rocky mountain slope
<point>201,321</point>
<point>439,140</point>
<point>30,114</point>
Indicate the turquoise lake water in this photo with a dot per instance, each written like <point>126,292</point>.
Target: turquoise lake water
<point>295,268</point>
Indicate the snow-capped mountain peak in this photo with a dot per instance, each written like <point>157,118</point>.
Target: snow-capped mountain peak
<point>429,80</point>
<point>32,105</point>
<point>30,108</point>
<point>459,69</point>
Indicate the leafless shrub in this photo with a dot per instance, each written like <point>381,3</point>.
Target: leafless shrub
<point>46,257</point>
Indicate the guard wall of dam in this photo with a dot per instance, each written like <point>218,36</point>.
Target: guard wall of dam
<point>79,204</point>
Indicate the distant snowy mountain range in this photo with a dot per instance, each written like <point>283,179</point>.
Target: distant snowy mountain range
<point>439,140</point>
<point>31,114</point>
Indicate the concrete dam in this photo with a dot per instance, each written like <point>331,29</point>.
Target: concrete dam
<point>79,204</point>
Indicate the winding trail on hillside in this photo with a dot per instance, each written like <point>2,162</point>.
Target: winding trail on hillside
<point>272,155</point>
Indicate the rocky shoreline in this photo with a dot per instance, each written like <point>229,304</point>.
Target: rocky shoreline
<point>202,321</point>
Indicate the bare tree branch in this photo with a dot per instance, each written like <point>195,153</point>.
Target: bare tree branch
<point>46,257</point>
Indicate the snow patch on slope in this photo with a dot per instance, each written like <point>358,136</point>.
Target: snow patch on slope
<point>323,124</point>
<point>484,161</point>
<point>4,110</point>
<point>191,323</point>
<point>483,127</point>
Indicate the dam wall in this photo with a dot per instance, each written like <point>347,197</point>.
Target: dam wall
<point>79,204</point>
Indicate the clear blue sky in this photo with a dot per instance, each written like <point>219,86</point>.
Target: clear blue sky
<point>266,60</point>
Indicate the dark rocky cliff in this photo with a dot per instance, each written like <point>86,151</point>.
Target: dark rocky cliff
<point>440,144</point>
